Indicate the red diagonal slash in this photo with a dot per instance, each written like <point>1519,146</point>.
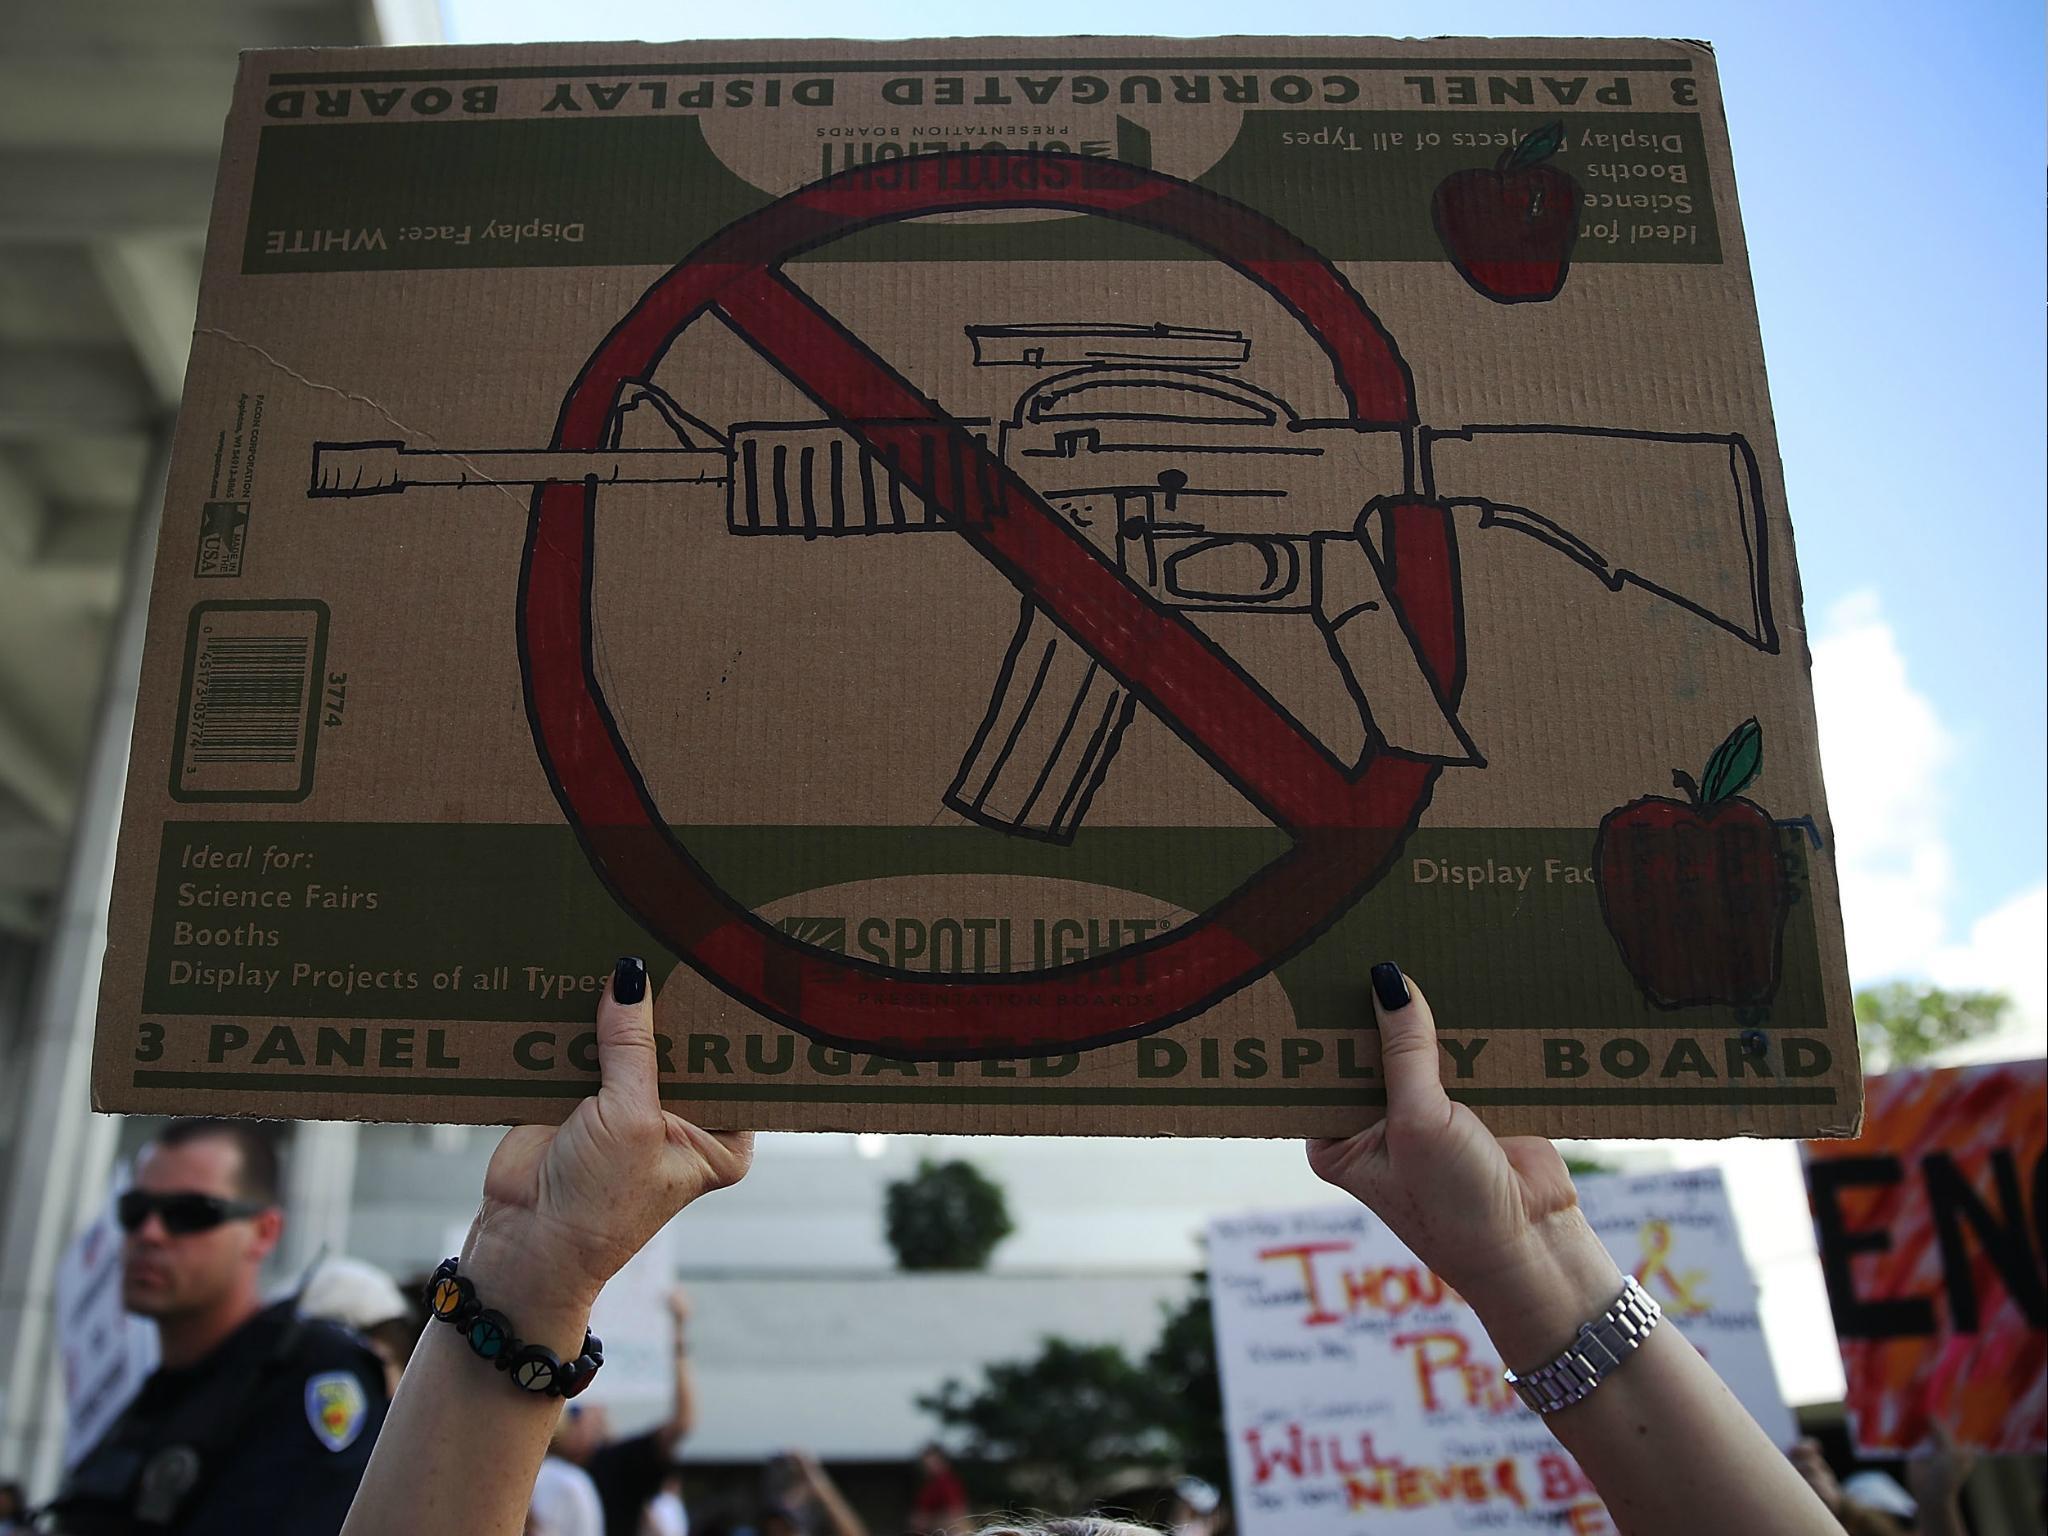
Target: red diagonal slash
<point>1347,827</point>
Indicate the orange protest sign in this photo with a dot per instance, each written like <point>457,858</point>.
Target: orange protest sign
<point>1932,1229</point>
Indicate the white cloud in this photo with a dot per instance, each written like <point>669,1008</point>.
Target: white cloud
<point>1883,749</point>
<point>2007,951</point>
<point>1886,751</point>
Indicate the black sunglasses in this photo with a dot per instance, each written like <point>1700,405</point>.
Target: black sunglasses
<point>182,1214</point>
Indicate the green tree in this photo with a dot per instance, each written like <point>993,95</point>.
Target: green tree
<point>1048,1433</point>
<point>1182,1367</point>
<point>1052,1432</point>
<point>946,1216</point>
<point>1904,1022</point>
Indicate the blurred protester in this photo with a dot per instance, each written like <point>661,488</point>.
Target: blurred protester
<point>1871,1503</point>
<point>1937,1483</point>
<point>940,1505</point>
<point>13,1509</point>
<point>1195,1508</point>
<point>1666,1444</point>
<point>564,1502</point>
<point>1854,1516</point>
<point>783,1497</point>
<point>665,1514</point>
<point>364,1298</point>
<point>258,1419</point>
<point>629,1472</point>
<point>1879,1493</point>
<point>814,1489</point>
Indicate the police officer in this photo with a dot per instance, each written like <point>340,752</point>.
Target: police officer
<point>258,1420</point>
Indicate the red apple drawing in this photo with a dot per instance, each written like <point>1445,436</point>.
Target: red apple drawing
<point>1510,230</point>
<point>1695,891</point>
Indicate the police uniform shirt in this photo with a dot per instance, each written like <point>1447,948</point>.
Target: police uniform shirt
<point>269,1433</point>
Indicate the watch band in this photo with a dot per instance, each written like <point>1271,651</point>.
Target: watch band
<point>1590,1358</point>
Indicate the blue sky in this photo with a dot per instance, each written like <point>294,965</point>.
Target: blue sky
<point>1891,173</point>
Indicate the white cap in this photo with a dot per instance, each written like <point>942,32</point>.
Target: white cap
<point>1876,1490</point>
<point>353,1293</point>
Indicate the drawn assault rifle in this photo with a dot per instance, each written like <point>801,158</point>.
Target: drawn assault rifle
<point>1213,495</point>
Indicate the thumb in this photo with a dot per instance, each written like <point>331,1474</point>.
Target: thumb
<point>628,1072</point>
<point>1408,1059</point>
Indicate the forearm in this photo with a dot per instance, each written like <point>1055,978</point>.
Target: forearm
<point>1663,1439</point>
<point>461,1445</point>
<point>838,1513</point>
<point>682,1418</point>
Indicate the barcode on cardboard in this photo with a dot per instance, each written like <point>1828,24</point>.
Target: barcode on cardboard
<point>248,715</point>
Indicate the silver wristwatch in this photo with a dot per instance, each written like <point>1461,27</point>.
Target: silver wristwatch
<point>1601,1345</point>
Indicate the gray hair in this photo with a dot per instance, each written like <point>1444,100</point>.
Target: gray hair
<point>1065,1525</point>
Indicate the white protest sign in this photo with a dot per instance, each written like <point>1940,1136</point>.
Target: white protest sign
<point>1362,1395</point>
<point>631,1316</point>
<point>107,1352</point>
<point>1675,1232</point>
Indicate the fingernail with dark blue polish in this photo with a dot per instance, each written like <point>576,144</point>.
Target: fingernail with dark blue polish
<point>1388,985</point>
<point>629,980</point>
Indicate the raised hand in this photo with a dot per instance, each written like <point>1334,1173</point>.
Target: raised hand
<point>1667,1445</point>
<point>564,1207</point>
<point>567,1205</point>
<point>1492,1216</point>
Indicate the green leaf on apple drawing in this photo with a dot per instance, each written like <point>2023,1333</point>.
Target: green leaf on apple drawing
<point>1534,149</point>
<point>1733,767</point>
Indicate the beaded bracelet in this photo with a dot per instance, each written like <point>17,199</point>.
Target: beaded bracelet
<point>532,1367</point>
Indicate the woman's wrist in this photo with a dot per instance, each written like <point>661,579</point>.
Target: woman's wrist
<point>1533,1302</point>
<point>541,1294</point>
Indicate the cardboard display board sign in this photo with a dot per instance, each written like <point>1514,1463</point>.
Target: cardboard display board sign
<point>1360,1393</point>
<point>1014,569</point>
<point>1932,1227</point>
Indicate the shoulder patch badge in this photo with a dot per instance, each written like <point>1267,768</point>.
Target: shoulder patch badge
<point>336,1408</point>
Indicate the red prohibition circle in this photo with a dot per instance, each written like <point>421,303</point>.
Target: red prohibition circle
<point>1347,826</point>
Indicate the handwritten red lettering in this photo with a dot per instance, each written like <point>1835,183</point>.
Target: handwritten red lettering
<point>1475,1383</point>
<point>1305,1255</point>
<point>1302,1455</point>
<point>1393,1288</point>
<point>1402,1485</point>
<point>1588,1518</point>
<point>1562,1479</point>
<point>1387,1288</point>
